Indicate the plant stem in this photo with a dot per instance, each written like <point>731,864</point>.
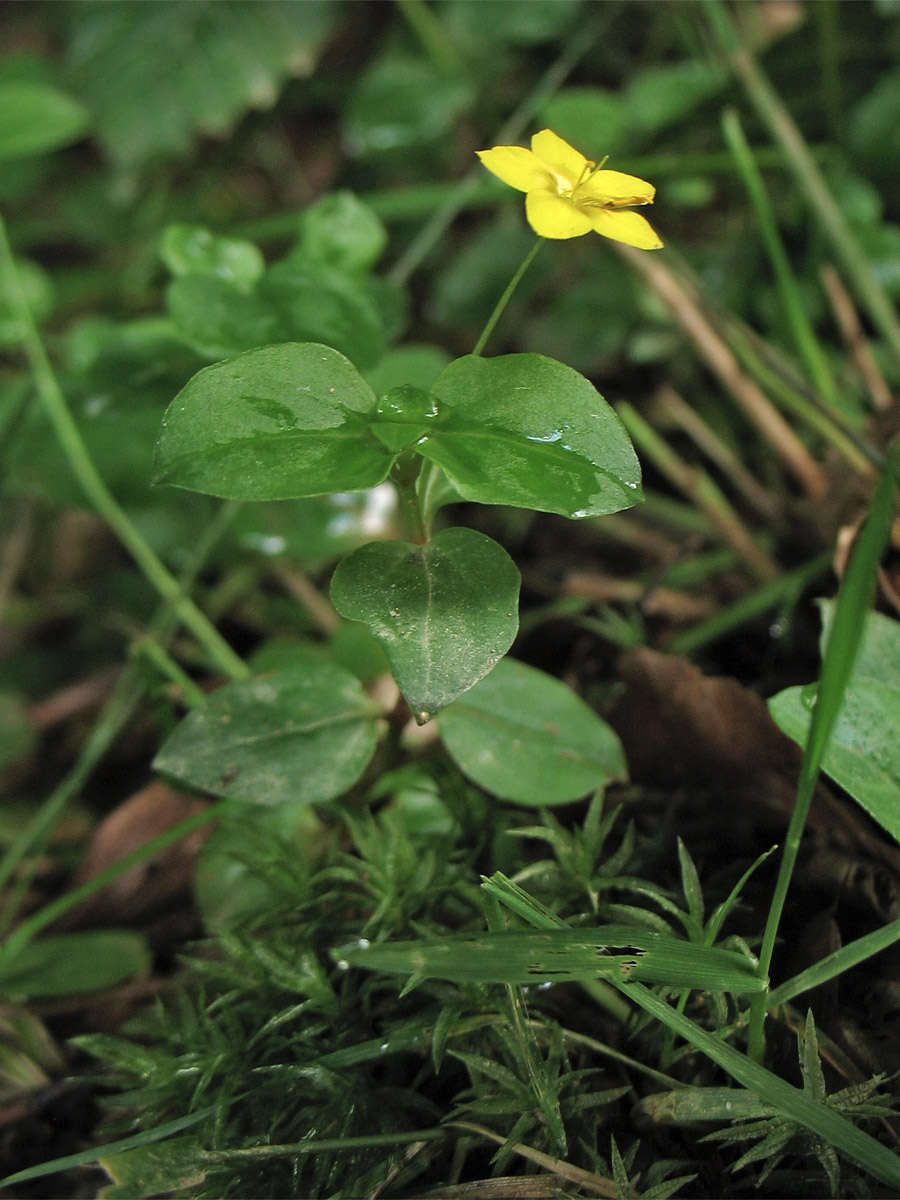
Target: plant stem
<point>404,476</point>
<point>506,297</point>
<point>587,34</point>
<point>220,653</point>
<point>800,325</point>
<point>431,33</point>
<point>773,112</point>
<point>115,714</point>
<point>854,602</point>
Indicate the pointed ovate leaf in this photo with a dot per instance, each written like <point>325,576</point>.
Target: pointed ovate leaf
<point>301,735</point>
<point>218,319</point>
<point>157,75</point>
<point>444,613</point>
<point>36,118</point>
<point>863,755</point>
<point>273,424</point>
<point>524,736</point>
<point>318,303</point>
<point>528,431</point>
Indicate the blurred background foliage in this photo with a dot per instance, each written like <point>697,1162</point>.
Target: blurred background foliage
<point>183,181</point>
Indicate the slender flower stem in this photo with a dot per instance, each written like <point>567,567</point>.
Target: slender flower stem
<point>506,297</point>
<point>587,34</point>
<point>72,444</point>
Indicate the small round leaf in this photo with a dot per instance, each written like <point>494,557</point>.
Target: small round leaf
<point>301,735</point>
<point>526,737</point>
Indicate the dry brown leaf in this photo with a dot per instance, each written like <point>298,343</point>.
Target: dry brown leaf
<point>150,886</point>
<point>681,729</point>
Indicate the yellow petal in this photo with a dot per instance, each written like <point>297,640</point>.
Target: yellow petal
<point>552,216</point>
<point>518,167</point>
<point>623,190</point>
<point>623,226</point>
<point>564,160</point>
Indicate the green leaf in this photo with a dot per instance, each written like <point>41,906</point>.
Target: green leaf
<point>194,250</point>
<point>156,75</point>
<point>297,736</point>
<point>318,303</point>
<point>219,320</point>
<point>69,963</point>
<point>526,737</point>
<point>864,753</point>
<point>526,431</point>
<point>444,613</point>
<point>273,424</point>
<point>491,23</point>
<point>340,231</point>
<point>658,97</point>
<point>874,126</point>
<point>591,118</point>
<point>35,118</point>
<point>227,889</point>
<point>402,102</point>
<point>40,295</point>
<point>619,952</point>
<point>416,365</point>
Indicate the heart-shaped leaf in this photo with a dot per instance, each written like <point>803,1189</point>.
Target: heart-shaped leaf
<point>445,612</point>
<point>273,424</point>
<point>528,431</point>
<point>302,735</point>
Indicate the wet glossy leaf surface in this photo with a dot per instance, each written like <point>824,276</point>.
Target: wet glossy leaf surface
<point>527,431</point>
<point>444,613</point>
<point>526,737</point>
<point>273,424</point>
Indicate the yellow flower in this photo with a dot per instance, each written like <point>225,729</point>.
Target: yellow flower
<point>567,195</point>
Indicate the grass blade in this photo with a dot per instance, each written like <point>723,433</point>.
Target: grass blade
<point>791,1102</point>
<point>848,626</point>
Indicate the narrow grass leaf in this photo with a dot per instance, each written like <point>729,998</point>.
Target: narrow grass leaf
<point>835,964</point>
<point>614,952</point>
<point>856,1145</point>
<point>854,601</point>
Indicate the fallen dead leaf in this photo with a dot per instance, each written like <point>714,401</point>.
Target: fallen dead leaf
<point>681,729</point>
<point>152,885</point>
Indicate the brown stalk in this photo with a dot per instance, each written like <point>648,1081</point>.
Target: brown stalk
<point>717,355</point>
